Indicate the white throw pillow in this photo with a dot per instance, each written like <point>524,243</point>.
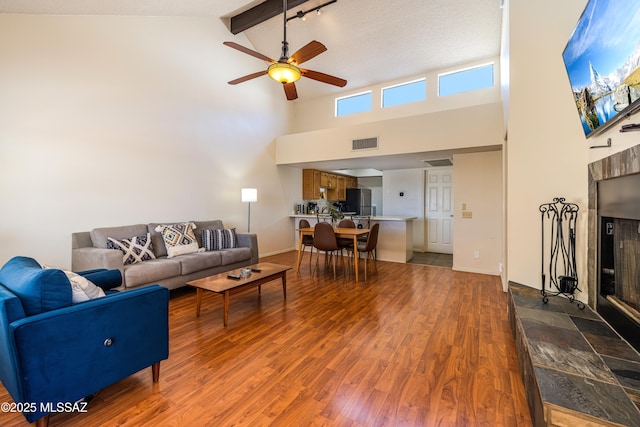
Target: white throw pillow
<point>83,289</point>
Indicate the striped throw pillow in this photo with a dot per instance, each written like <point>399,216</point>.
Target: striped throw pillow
<point>214,240</point>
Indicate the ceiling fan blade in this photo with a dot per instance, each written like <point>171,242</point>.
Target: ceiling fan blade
<point>324,78</point>
<point>290,91</point>
<point>249,51</point>
<point>307,52</point>
<point>247,77</point>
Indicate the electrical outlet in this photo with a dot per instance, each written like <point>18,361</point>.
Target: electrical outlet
<point>467,214</point>
<point>476,254</point>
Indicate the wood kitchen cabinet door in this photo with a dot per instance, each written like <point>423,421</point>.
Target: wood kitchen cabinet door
<point>342,188</point>
<point>310,184</point>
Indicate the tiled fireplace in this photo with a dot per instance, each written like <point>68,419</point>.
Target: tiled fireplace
<point>576,369</point>
<point>614,242</point>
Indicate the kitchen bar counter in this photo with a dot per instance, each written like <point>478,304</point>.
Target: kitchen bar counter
<point>395,239</point>
<point>373,218</point>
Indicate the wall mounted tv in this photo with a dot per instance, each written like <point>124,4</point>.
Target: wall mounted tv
<point>602,59</point>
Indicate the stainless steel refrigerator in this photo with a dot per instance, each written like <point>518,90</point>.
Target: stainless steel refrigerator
<point>358,201</point>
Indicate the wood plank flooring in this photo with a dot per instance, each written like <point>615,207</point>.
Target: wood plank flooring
<point>414,345</point>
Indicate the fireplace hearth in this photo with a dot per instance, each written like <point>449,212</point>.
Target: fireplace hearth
<point>614,242</point>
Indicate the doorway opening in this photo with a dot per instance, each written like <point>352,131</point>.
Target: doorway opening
<point>432,258</point>
<point>438,210</point>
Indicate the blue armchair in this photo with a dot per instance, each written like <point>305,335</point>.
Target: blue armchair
<point>54,352</point>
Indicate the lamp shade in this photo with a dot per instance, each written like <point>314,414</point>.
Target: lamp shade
<point>249,195</point>
<point>283,72</point>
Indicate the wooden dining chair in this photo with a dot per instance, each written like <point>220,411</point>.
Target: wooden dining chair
<point>368,248</point>
<point>363,221</point>
<point>347,223</point>
<point>324,239</point>
<point>344,242</point>
<point>307,240</point>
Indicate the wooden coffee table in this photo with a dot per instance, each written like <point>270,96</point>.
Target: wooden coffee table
<point>222,284</point>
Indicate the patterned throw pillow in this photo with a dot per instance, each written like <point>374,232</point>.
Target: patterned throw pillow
<point>135,249</point>
<point>214,240</point>
<point>179,238</point>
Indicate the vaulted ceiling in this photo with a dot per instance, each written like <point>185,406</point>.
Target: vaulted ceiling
<point>368,41</point>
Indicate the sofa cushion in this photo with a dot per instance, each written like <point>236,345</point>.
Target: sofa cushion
<point>198,261</point>
<point>231,256</point>
<point>150,271</point>
<point>39,289</point>
<point>179,239</point>
<point>214,240</point>
<point>134,249</point>
<point>99,236</point>
<point>207,225</point>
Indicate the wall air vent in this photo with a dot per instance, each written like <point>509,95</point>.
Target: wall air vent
<point>364,144</point>
<point>438,162</point>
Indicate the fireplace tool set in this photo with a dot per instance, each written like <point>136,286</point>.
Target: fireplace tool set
<point>559,222</point>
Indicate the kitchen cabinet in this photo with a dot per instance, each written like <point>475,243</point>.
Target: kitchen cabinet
<point>324,179</point>
<point>310,184</point>
<point>328,180</point>
<point>352,182</point>
<point>341,190</point>
<point>335,185</point>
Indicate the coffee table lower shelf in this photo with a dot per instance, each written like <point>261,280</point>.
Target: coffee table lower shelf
<point>221,284</point>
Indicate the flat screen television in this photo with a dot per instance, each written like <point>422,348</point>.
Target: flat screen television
<point>602,59</point>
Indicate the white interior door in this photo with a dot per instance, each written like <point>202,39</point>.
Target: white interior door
<point>439,210</point>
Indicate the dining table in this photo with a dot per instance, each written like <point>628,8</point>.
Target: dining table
<point>340,232</point>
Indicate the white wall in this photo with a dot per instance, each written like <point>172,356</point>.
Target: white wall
<point>547,153</point>
<point>472,127</point>
<point>409,182</point>
<point>117,120</point>
<point>477,183</point>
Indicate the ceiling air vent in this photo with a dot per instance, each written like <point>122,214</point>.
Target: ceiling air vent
<point>364,144</point>
<point>438,162</point>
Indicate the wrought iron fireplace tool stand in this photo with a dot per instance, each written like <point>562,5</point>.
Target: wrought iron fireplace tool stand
<point>561,220</point>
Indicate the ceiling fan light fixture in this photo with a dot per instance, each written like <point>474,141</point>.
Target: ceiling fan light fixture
<point>283,72</point>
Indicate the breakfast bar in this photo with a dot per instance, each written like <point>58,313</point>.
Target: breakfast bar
<point>395,240</point>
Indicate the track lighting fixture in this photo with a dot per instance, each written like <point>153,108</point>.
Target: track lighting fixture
<point>302,14</point>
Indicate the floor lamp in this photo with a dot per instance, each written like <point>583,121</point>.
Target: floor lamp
<point>249,195</point>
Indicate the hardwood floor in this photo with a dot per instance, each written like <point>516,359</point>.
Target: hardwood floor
<point>414,345</point>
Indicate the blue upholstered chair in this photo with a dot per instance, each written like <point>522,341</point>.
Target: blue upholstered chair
<point>54,352</point>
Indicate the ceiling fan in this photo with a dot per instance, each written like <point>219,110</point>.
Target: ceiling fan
<point>286,69</point>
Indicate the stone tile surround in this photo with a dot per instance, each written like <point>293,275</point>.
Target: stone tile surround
<point>620,164</point>
<point>577,371</point>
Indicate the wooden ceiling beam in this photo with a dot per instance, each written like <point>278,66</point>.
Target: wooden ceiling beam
<point>260,13</point>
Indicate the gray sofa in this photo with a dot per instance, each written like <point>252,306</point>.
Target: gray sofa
<point>89,251</point>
